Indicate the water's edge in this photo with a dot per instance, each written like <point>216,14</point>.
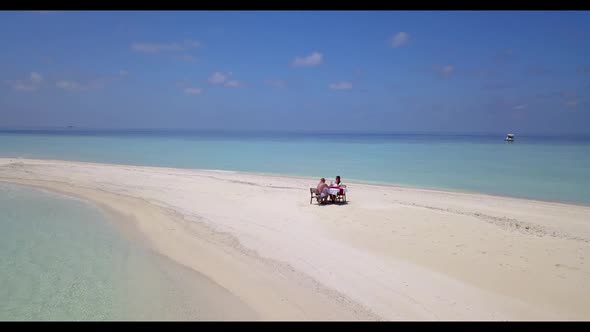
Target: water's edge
<point>540,169</point>
<point>313,181</point>
<point>199,290</point>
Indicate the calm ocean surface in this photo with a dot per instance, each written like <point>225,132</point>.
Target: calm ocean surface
<point>64,259</point>
<point>547,168</point>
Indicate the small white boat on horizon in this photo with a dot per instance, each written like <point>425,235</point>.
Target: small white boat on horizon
<point>509,138</point>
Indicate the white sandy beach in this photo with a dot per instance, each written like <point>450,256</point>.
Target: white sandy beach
<point>391,253</point>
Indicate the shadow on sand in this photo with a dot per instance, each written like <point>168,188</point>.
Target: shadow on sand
<point>333,203</point>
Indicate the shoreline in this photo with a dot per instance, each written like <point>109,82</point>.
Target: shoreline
<point>134,230</point>
<point>312,179</point>
<point>196,297</point>
<point>391,253</point>
<point>402,187</point>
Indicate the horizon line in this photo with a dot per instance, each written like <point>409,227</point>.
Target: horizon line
<point>293,131</point>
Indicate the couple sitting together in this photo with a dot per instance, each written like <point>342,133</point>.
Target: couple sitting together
<point>323,189</point>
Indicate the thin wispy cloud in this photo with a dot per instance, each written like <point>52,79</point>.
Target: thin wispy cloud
<point>340,86</point>
<point>571,103</point>
<point>30,84</point>
<point>568,94</point>
<point>187,58</point>
<point>444,70</point>
<point>36,78</point>
<point>279,84</point>
<point>492,73</point>
<point>70,85</point>
<point>499,105</point>
<point>154,47</point>
<point>314,59</point>
<point>192,91</point>
<point>46,59</point>
<point>546,95</point>
<point>563,94</point>
<point>218,78</point>
<point>538,71</point>
<point>123,73</point>
<point>583,69</point>
<point>520,107</point>
<point>497,85</point>
<point>233,83</point>
<point>400,39</point>
<point>358,73</point>
<point>503,57</point>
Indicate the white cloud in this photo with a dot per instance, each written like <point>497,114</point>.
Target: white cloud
<point>341,86</point>
<point>313,59</point>
<point>233,83</point>
<point>446,70</point>
<point>22,86</point>
<point>30,84</point>
<point>84,83</point>
<point>155,47</point>
<point>147,47</point>
<point>218,78</point>
<point>69,85</point>
<point>36,78</point>
<point>400,39</point>
<point>520,107</point>
<point>193,91</point>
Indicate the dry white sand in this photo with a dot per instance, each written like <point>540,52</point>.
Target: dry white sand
<point>391,253</point>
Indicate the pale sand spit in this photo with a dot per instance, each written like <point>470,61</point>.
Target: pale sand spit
<point>390,253</point>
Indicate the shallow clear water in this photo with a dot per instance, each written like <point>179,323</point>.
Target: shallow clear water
<point>64,259</point>
<point>548,168</point>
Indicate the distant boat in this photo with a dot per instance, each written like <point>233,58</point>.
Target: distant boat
<point>509,138</point>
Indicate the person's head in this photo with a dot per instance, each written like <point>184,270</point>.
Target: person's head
<point>337,178</point>
<point>322,180</point>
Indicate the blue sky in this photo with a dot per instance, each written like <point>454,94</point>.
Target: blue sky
<point>527,72</point>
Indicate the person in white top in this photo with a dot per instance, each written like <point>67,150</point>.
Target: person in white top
<point>335,183</point>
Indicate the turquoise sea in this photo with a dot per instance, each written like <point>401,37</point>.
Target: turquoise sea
<point>555,168</point>
<point>64,259</point>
